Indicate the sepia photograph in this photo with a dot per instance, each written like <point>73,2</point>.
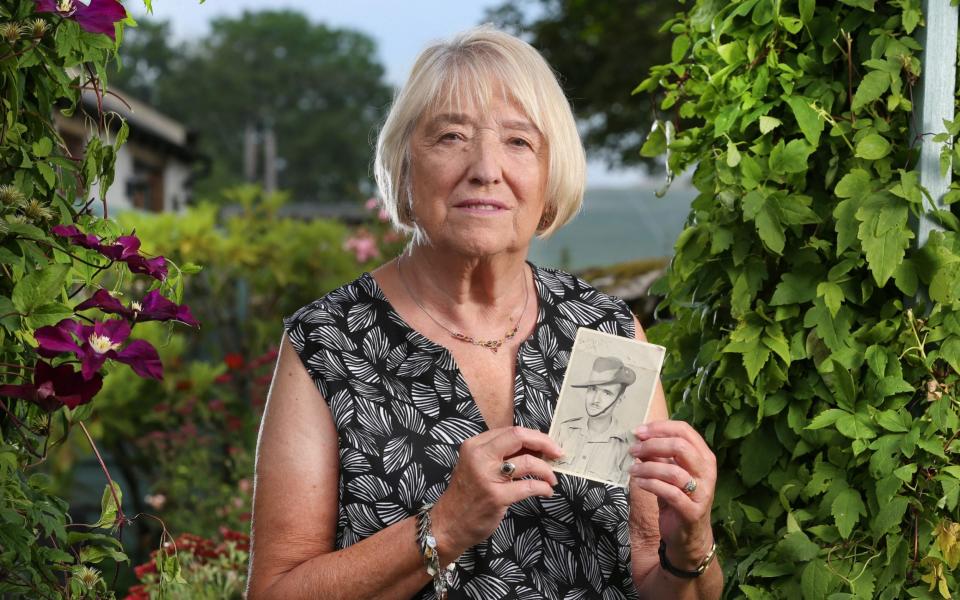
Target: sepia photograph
<point>606,393</point>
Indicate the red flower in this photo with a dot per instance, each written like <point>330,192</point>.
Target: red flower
<point>53,386</point>
<point>96,17</point>
<point>144,569</point>
<point>97,343</point>
<point>234,361</point>
<point>154,307</point>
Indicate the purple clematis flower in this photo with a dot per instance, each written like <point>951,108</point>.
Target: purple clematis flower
<point>126,249</point>
<point>96,17</point>
<point>94,344</point>
<point>154,307</point>
<point>54,386</point>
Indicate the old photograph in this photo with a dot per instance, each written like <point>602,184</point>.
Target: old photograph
<point>606,393</point>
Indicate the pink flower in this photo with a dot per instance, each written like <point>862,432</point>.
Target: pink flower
<point>53,386</point>
<point>154,307</point>
<point>97,343</point>
<point>363,246</point>
<point>371,203</point>
<point>96,17</point>
<point>155,501</point>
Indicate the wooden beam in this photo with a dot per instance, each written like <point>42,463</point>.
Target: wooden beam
<point>935,101</point>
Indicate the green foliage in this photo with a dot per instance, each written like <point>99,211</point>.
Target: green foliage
<point>831,405</point>
<point>319,88</point>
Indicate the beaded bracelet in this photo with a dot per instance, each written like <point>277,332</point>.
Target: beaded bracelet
<point>431,557</point>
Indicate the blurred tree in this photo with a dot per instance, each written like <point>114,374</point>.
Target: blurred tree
<point>319,90</point>
<point>602,49</point>
<point>146,56</point>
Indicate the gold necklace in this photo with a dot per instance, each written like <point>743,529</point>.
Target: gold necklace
<point>492,345</point>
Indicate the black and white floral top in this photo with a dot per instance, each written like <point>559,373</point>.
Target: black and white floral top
<point>402,409</point>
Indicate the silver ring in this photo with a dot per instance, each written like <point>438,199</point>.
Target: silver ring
<point>507,469</point>
<point>690,487</point>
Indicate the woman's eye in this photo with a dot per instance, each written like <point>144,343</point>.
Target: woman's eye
<point>520,143</point>
<point>451,136</point>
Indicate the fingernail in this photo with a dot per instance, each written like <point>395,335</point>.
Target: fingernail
<point>635,448</point>
<point>640,430</point>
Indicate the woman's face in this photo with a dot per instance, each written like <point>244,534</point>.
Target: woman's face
<point>478,179</point>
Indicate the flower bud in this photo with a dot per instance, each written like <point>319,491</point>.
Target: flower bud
<point>11,196</point>
<point>11,32</point>
<point>38,28</point>
<point>36,210</point>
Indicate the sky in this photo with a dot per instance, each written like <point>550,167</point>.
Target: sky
<point>401,30</point>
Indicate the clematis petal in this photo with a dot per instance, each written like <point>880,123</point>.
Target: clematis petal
<point>72,389</point>
<point>154,267</point>
<point>58,338</point>
<point>142,358</point>
<point>118,330</point>
<point>99,16</point>
<point>103,300</point>
<point>156,307</point>
<point>25,391</point>
<point>130,245</point>
<point>91,362</point>
<point>46,5</point>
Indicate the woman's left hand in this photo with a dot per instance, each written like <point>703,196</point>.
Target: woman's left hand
<point>678,467</point>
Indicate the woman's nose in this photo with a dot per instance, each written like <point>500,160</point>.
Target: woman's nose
<point>486,167</point>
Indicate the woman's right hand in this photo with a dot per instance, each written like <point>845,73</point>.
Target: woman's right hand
<point>474,503</point>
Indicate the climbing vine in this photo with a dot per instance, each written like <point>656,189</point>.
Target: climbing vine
<point>812,342</point>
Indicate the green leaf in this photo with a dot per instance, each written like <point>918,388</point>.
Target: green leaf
<point>890,516</point>
<point>795,288</point>
<point>864,4</point>
<point>847,224</point>
<point>905,473</point>
<point>48,314</point>
<point>891,421</point>
<point>871,87</point>
<point>770,229</point>
<point>790,158</point>
<point>681,44</point>
<point>108,507</point>
<point>96,554</point>
<point>826,418</point>
<point>807,118</point>
<point>847,508</point>
<point>42,147</point>
<point>832,295</point>
<point>768,124</point>
<point>9,317</point>
<point>49,176</point>
<point>39,287</point>
<point>884,234</point>
<point>733,155</point>
<point>816,580</point>
<point>797,547</point>
<point>872,147</point>
<point>758,453</point>
<point>877,360</point>
<point>856,427</point>
<point>806,10</point>
<point>853,184</point>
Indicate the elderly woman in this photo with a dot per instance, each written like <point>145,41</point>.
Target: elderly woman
<point>403,451</point>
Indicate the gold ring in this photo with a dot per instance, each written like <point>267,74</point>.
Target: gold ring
<point>507,469</point>
<point>690,487</point>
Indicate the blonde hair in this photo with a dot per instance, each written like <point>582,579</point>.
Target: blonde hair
<point>472,67</point>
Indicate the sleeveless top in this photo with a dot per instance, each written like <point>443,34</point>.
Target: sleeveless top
<point>402,409</point>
